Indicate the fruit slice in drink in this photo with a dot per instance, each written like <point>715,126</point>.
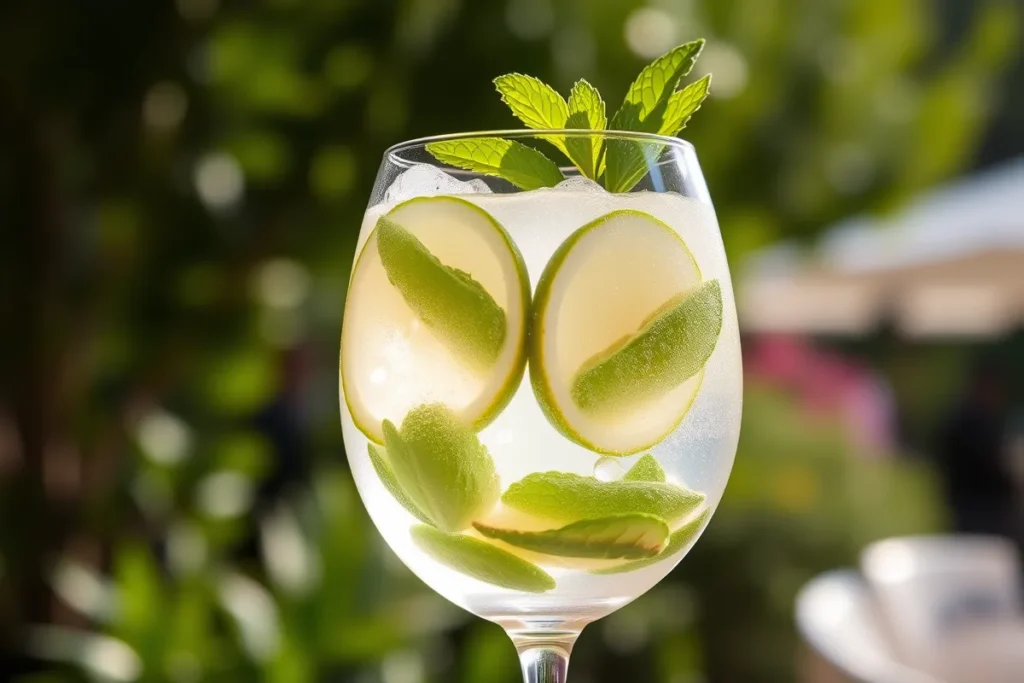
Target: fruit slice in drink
<point>439,295</point>
<point>622,326</point>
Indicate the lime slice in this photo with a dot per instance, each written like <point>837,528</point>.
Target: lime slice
<point>436,313</point>
<point>630,536</point>
<point>481,560</point>
<point>680,538</point>
<point>621,328</point>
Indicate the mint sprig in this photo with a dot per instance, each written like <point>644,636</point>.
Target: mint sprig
<point>652,105</point>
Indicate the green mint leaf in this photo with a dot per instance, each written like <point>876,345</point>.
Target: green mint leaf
<point>645,469</point>
<point>586,110</point>
<point>626,162</point>
<point>482,561</point>
<point>441,466</point>
<point>584,99</point>
<point>461,313</point>
<point>670,347</point>
<point>535,103</point>
<point>629,536</point>
<point>647,98</point>
<point>379,459</point>
<point>682,104</point>
<point>644,110</point>
<point>524,167</point>
<point>563,497</point>
<point>679,539</point>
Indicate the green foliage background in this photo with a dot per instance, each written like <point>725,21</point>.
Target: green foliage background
<point>125,300</point>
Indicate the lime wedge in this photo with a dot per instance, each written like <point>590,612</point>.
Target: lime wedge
<point>565,497</point>
<point>679,539</point>
<point>441,467</point>
<point>622,325</point>
<point>436,313</point>
<point>481,560</point>
<point>615,537</point>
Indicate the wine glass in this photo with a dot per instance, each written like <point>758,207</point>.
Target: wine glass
<point>541,380</point>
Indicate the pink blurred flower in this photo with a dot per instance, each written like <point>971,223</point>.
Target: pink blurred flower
<point>827,385</point>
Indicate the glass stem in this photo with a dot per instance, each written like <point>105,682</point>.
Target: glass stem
<point>544,656</point>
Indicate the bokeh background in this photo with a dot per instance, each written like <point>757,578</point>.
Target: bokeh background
<point>182,184</point>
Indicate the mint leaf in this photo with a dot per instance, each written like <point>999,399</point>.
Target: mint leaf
<point>524,167</point>
<point>676,542</point>
<point>644,110</point>
<point>645,469</point>
<point>534,102</point>
<point>379,459</point>
<point>617,536</point>
<point>564,497</point>
<point>584,99</point>
<point>441,466</point>
<point>586,110</point>
<point>644,107</point>
<point>628,161</point>
<point>461,313</point>
<point>682,104</point>
<point>482,561</point>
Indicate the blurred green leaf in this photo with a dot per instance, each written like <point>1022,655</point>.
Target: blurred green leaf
<point>348,66</point>
<point>240,381</point>
<point>489,656</point>
<point>333,172</point>
<point>264,155</point>
<point>245,452</point>
<point>363,639</point>
<point>387,110</point>
<point>291,664</point>
<point>139,617</point>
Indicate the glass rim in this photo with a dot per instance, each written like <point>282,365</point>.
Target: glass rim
<point>394,150</point>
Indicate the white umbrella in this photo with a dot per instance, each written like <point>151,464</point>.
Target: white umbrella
<point>951,263</point>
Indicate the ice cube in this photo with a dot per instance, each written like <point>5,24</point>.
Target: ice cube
<point>424,180</point>
<point>580,184</point>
